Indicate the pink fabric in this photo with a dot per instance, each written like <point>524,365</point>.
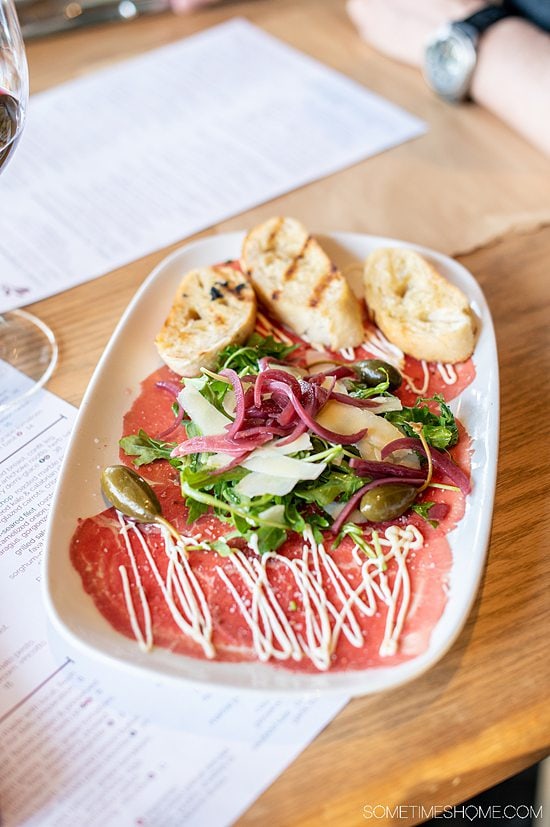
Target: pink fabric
<point>512,76</point>
<point>186,6</point>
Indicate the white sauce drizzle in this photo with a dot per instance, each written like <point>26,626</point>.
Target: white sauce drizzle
<point>425,379</point>
<point>194,619</point>
<point>273,635</point>
<point>348,353</point>
<point>377,345</point>
<point>265,326</point>
<point>447,373</point>
<point>145,641</point>
<point>274,627</point>
<point>399,542</point>
<point>247,581</point>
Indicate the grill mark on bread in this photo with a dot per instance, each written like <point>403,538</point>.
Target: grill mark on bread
<point>273,234</point>
<point>291,279</point>
<point>322,285</point>
<point>289,272</point>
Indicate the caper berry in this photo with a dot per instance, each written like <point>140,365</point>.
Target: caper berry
<point>373,371</point>
<point>386,502</point>
<point>130,494</point>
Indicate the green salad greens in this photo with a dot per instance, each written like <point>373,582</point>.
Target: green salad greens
<point>301,476</point>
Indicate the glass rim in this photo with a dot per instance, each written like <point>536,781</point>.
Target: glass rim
<point>46,375</point>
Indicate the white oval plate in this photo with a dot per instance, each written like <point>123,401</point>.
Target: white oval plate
<point>127,360</point>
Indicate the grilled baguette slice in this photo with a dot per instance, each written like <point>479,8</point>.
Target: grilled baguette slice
<point>300,286</point>
<point>214,307</point>
<point>416,308</point>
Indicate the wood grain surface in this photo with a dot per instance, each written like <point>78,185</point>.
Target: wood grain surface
<point>482,713</point>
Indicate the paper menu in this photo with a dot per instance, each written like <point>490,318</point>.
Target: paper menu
<point>77,743</point>
<point>128,160</point>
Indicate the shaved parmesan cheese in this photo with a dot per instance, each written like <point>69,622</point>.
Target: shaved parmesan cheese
<point>386,403</point>
<point>380,433</point>
<point>216,461</point>
<point>344,419</point>
<point>335,509</point>
<point>274,464</point>
<point>204,415</point>
<point>302,443</point>
<point>272,472</point>
<point>256,484</point>
<point>294,370</point>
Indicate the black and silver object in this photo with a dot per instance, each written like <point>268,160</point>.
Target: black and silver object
<point>451,55</point>
<point>45,17</point>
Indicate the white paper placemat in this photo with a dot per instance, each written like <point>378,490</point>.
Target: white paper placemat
<point>80,744</point>
<point>125,161</point>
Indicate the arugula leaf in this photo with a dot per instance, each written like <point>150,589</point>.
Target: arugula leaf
<point>440,429</point>
<point>356,533</point>
<point>334,483</point>
<point>241,525</point>
<point>223,549</point>
<point>245,358</point>
<point>201,490</point>
<point>423,509</point>
<point>192,429</point>
<point>203,478</point>
<point>361,391</point>
<point>293,517</point>
<point>270,538</point>
<point>145,448</point>
<point>214,392</point>
<point>195,510</point>
<point>318,522</point>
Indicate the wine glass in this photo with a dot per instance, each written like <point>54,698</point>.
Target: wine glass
<point>26,343</point>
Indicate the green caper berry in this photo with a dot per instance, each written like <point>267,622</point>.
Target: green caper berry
<point>130,494</point>
<point>387,502</point>
<point>373,371</point>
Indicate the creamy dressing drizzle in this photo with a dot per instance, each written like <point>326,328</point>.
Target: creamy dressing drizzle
<point>145,641</point>
<point>447,373</point>
<point>425,379</point>
<point>194,617</point>
<point>324,620</point>
<point>377,345</point>
<point>273,635</point>
<point>398,542</point>
<point>266,328</point>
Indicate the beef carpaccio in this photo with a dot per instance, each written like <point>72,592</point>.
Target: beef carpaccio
<point>312,604</point>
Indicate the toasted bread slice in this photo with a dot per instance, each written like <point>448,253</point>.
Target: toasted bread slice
<point>300,286</point>
<point>214,306</point>
<point>416,308</point>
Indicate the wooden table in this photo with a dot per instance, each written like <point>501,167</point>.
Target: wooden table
<point>481,714</point>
